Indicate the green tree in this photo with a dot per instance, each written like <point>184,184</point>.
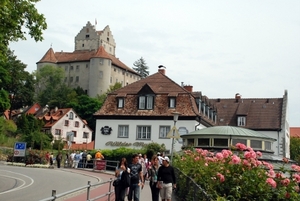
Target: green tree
<point>18,18</point>
<point>4,101</point>
<point>140,66</point>
<point>29,130</point>
<point>17,82</point>
<point>295,149</point>
<point>49,83</point>
<point>111,88</point>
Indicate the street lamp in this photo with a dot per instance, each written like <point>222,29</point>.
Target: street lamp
<point>175,119</point>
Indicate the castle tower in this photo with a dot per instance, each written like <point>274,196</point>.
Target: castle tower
<point>90,39</point>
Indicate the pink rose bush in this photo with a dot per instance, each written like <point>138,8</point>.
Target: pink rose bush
<point>238,177</point>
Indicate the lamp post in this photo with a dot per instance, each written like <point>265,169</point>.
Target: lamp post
<point>175,119</point>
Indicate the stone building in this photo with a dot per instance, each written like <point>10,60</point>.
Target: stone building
<point>93,64</point>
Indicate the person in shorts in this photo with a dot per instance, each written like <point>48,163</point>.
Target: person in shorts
<point>166,179</point>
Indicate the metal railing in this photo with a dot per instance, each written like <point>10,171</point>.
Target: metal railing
<point>188,190</point>
<point>87,188</point>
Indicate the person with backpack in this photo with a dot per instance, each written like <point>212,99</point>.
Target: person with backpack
<point>120,188</point>
<point>137,179</point>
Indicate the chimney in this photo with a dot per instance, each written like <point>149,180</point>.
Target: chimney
<point>162,69</point>
<point>189,88</point>
<point>55,109</point>
<point>237,97</point>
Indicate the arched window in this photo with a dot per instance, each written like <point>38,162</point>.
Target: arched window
<point>71,116</point>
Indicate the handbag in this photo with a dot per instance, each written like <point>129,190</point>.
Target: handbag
<point>116,182</point>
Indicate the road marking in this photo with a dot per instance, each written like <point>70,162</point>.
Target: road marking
<point>19,187</point>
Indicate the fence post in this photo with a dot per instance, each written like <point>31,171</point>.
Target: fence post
<point>88,190</point>
<point>54,194</point>
<point>109,189</point>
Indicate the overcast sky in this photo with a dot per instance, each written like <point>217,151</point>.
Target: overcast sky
<point>220,47</point>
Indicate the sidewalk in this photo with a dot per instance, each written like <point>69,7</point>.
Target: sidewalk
<point>102,189</point>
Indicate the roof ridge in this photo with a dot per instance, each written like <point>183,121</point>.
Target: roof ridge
<point>49,57</point>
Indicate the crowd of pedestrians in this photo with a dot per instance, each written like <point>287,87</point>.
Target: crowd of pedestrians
<point>158,171</point>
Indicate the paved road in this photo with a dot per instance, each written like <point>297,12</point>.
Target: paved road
<point>32,184</point>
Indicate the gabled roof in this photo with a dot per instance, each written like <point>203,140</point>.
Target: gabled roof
<point>295,132</point>
<point>83,56</point>
<point>260,113</point>
<point>162,86</point>
<point>52,117</point>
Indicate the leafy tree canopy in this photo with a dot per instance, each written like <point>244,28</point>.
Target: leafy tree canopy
<point>140,66</point>
<point>295,148</point>
<point>17,82</point>
<point>18,18</point>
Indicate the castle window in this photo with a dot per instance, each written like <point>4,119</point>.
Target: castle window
<point>87,30</point>
<point>82,44</point>
<point>100,74</point>
<point>71,68</point>
<point>86,65</point>
<point>107,39</point>
<point>71,79</point>
<point>101,61</point>
<point>77,67</point>
<point>66,68</point>
<point>241,121</point>
<point>87,36</point>
<point>77,78</point>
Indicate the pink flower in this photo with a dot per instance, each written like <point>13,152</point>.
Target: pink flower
<point>197,158</point>
<point>259,154</point>
<point>295,167</point>
<point>271,173</point>
<point>226,153</point>
<point>241,146</point>
<point>296,177</point>
<point>221,177</point>
<point>219,156</point>
<point>285,182</point>
<point>271,182</point>
<point>250,154</point>
<point>235,159</point>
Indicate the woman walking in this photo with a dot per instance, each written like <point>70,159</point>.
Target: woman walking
<point>152,175</point>
<point>119,189</point>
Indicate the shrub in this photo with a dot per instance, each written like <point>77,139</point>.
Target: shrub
<point>238,177</point>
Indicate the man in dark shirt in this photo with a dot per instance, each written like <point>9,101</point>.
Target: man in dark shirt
<point>136,177</point>
<point>166,179</point>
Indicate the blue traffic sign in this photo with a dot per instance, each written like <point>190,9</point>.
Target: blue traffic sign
<point>20,145</point>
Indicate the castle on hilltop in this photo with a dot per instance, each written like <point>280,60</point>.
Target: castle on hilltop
<point>93,65</point>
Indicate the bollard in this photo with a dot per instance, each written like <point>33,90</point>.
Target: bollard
<point>88,190</point>
<point>111,180</point>
<point>54,194</point>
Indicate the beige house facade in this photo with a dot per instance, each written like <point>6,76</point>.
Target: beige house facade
<point>92,65</point>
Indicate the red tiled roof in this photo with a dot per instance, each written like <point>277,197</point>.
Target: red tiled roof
<point>49,57</point>
<point>261,113</point>
<point>88,146</point>
<point>53,116</point>
<point>295,132</point>
<point>161,86</point>
<point>82,55</point>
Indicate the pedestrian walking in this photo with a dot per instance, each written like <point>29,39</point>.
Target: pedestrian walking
<point>119,189</point>
<point>166,179</point>
<point>152,176</point>
<point>58,159</point>
<point>137,179</point>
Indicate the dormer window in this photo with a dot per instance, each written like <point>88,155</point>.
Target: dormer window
<point>241,121</point>
<point>172,102</point>
<point>146,102</point>
<point>120,102</point>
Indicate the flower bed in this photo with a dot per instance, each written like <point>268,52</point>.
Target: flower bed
<point>238,177</point>
<point>27,165</point>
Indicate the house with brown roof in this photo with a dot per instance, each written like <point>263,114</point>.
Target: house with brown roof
<point>65,124</point>
<point>295,132</point>
<point>264,115</point>
<point>93,65</point>
<point>143,111</point>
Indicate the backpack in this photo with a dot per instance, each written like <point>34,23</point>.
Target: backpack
<point>125,179</point>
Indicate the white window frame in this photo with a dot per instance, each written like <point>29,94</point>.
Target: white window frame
<point>146,102</point>
<point>143,133</point>
<point>163,131</point>
<point>57,131</point>
<point>241,121</point>
<point>85,135</point>
<point>172,103</point>
<point>121,102</point>
<point>71,115</point>
<point>123,131</point>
